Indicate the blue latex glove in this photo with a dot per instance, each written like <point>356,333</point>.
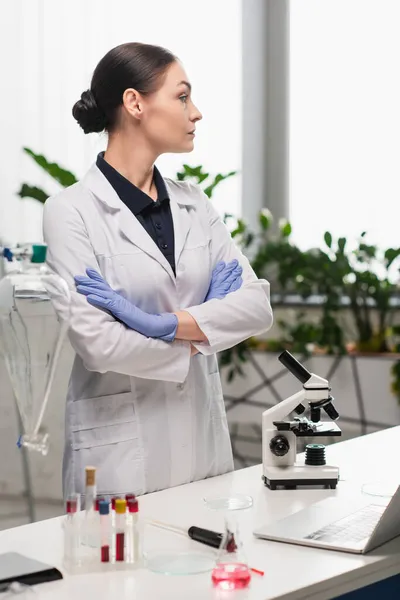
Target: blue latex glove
<point>225,278</point>
<point>100,294</point>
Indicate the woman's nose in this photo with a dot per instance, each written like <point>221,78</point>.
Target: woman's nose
<point>196,116</point>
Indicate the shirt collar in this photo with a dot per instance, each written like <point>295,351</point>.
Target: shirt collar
<point>134,198</point>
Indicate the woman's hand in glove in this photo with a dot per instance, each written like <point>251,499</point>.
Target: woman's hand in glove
<point>99,293</point>
<point>225,278</point>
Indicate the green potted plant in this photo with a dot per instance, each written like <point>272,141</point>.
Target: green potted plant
<point>343,330</point>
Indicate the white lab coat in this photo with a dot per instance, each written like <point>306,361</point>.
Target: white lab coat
<point>141,410</point>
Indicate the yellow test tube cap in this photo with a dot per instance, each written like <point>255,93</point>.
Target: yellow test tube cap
<point>120,506</point>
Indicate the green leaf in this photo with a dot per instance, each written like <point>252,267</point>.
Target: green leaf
<point>208,191</point>
<point>390,255</point>
<point>217,179</point>
<point>30,191</point>
<point>248,239</point>
<point>367,250</point>
<point>194,171</point>
<point>65,178</point>
<point>286,229</point>
<point>200,176</point>
<point>240,228</point>
<point>265,218</point>
<point>341,244</point>
<point>328,239</point>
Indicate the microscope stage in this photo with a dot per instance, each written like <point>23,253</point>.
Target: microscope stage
<point>324,428</point>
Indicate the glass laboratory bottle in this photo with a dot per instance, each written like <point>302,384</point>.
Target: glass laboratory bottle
<point>34,316</point>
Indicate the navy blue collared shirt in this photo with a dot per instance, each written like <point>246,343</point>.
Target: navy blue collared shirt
<point>154,215</point>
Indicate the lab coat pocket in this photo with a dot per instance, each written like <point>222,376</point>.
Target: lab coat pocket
<point>104,434</point>
<point>103,420</point>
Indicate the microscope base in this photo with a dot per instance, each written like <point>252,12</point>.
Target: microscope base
<point>299,475</point>
<point>292,484</point>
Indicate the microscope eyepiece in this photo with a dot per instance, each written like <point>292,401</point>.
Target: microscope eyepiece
<point>293,365</point>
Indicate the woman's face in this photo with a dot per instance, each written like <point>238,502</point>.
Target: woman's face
<point>169,116</point>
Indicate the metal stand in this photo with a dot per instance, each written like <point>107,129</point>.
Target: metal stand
<point>26,471</point>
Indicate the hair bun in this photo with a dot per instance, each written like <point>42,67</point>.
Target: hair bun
<point>88,114</point>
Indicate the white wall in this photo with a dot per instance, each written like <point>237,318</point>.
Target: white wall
<point>345,119</point>
<point>48,51</point>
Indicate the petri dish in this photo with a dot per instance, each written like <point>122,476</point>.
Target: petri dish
<point>232,502</point>
<point>380,489</point>
<point>179,562</point>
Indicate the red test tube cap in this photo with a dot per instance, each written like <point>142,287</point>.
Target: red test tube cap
<point>133,505</point>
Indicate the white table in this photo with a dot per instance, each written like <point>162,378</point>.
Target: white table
<point>291,572</point>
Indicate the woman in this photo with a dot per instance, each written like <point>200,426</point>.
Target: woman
<point>158,287</point>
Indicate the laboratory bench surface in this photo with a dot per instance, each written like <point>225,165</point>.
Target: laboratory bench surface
<point>291,572</point>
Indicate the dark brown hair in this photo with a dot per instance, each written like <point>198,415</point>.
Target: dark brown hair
<point>133,65</point>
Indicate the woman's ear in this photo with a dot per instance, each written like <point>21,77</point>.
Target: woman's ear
<point>132,102</point>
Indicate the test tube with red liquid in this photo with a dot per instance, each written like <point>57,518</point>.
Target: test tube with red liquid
<point>105,530</point>
<point>71,530</point>
<point>120,528</point>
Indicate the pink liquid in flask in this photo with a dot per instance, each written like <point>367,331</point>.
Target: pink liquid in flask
<point>231,576</point>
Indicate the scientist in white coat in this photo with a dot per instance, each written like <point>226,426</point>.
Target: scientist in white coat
<point>158,288</point>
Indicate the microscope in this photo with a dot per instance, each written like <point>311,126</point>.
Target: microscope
<point>281,468</point>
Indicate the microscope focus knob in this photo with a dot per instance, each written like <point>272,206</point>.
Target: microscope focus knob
<point>279,445</point>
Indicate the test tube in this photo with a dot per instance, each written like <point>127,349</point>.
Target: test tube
<point>71,530</point>
<point>113,500</point>
<point>91,522</point>
<point>129,498</point>
<point>134,537</point>
<point>105,530</point>
<point>120,526</point>
<point>90,491</point>
<point>97,503</point>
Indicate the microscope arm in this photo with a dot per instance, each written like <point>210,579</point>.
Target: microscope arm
<point>281,410</point>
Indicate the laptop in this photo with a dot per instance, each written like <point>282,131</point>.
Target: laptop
<point>350,523</point>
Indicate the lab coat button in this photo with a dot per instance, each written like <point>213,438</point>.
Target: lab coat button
<point>180,386</point>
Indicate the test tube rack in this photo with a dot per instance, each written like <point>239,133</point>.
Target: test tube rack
<point>83,553</point>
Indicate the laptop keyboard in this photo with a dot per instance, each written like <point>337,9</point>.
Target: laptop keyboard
<point>353,528</point>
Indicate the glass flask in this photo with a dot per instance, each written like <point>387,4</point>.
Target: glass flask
<point>231,570</point>
<point>31,336</point>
